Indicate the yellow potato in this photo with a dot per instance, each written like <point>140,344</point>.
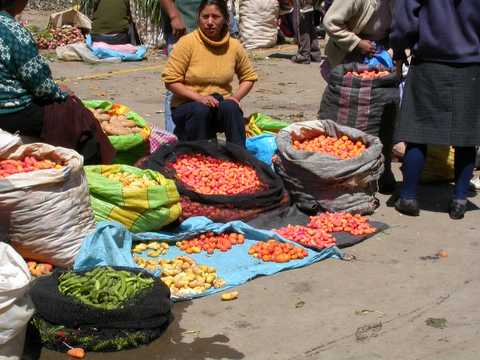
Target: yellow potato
<point>230,296</point>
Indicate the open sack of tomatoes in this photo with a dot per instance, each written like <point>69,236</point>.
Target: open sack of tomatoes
<point>127,131</point>
<point>220,181</point>
<point>361,96</point>
<point>100,309</point>
<point>51,37</point>
<point>142,200</point>
<point>329,167</point>
<point>45,210</point>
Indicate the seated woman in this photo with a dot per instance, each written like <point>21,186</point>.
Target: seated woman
<point>32,104</point>
<point>200,72</point>
<point>111,22</point>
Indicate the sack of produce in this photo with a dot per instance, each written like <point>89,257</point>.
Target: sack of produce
<point>127,131</point>
<point>361,96</point>
<point>100,309</point>
<point>259,124</point>
<point>16,308</point>
<point>45,210</point>
<point>142,200</point>
<point>326,166</point>
<point>220,181</point>
<point>258,23</point>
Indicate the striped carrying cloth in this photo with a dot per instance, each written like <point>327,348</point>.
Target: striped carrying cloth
<point>141,208</point>
<point>357,102</point>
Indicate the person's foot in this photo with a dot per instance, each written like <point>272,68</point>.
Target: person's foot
<point>407,207</point>
<point>457,209</point>
<point>299,59</point>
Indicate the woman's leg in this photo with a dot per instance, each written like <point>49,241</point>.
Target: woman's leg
<point>464,166</point>
<point>413,163</point>
<point>193,121</point>
<point>230,120</point>
<point>70,124</point>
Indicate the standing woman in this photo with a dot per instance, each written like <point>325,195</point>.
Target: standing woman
<point>32,104</point>
<point>200,73</point>
<point>440,104</point>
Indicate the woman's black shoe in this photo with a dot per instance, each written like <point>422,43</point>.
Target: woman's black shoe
<point>407,206</point>
<point>457,209</point>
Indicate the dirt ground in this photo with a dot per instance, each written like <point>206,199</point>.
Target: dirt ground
<point>396,300</point>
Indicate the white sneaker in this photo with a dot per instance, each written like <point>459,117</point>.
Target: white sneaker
<point>475,183</point>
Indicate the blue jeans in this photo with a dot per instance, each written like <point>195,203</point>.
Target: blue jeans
<point>196,121</point>
<point>169,124</point>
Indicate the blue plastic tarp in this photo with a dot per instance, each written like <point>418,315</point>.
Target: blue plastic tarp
<point>102,53</point>
<point>262,147</point>
<point>111,245</point>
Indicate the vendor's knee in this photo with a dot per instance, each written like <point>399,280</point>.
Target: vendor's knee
<point>200,110</point>
<point>229,106</point>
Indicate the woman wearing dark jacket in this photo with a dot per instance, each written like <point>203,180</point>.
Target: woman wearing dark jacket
<point>442,90</point>
<point>32,104</point>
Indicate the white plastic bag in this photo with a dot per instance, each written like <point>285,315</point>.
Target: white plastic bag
<point>46,214</point>
<point>16,308</point>
<point>258,23</point>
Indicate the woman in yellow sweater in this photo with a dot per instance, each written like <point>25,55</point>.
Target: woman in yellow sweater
<point>200,72</point>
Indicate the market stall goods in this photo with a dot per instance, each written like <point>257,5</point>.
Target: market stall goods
<point>45,214</point>
<point>127,131</point>
<point>152,248</point>
<point>335,222</point>
<point>103,287</point>
<point>183,275</point>
<point>306,236</point>
<point>212,176</point>
<point>318,181</point>
<point>276,251</point>
<point>364,97</point>
<point>39,269</point>
<point>142,200</point>
<point>210,242</point>
<point>368,74</point>
<point>342,148</point>
<point>220,181</point>
<point>51,38</point>
<point>25,165</point>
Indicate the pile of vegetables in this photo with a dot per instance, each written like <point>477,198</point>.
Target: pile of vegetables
<point>39,269</point>
<point>211,176</point>
<point>306,236</point>
<point>27,164</point>
<point>276,251</point>
<point>132,181</point>
<point>103,287</point>
<point>368,74</point>
<point>183,275</point>
<point>342,148</point>
<point>115,124</point>
<point>341,221</point>
<point>210,242</point>
<point>153,248</point>
<point>52,38</point>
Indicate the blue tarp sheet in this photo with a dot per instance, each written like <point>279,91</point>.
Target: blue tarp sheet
<point>111,244</point>
<point>107,53</point>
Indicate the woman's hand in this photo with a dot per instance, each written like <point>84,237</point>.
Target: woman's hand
<point>66,89</point>
<point>233,98</point>
<point>208,100</point>
<point>366,47</point>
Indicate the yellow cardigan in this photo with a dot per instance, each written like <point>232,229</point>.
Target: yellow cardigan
<point>207,66</point>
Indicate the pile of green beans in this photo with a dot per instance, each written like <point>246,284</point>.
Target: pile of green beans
<point>103,287</point>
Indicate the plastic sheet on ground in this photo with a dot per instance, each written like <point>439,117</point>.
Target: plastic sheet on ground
<point>103,53</point>
<point>111,245</point>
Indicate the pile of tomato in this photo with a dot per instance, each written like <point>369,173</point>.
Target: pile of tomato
<point>307,236</point>
<point>342,221</point>
<point>210,242</point>
<point>369,74</point>
<point>276,251</point>
<point>27,164</point>
<point>342,148</point>
<point>211,176</point>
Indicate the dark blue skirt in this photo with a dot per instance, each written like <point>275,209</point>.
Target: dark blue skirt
<point>441,105</point>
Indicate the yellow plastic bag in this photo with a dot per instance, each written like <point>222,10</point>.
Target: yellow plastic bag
<point>439,165</point>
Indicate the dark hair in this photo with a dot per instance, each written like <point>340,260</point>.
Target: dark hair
<point>7,4</point>
<point>221,4</point>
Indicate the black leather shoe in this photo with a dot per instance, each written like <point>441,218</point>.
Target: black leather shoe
<point>457,209</point>
<point>407,206</point>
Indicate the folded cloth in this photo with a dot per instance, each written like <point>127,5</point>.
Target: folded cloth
<point>124,48</point>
